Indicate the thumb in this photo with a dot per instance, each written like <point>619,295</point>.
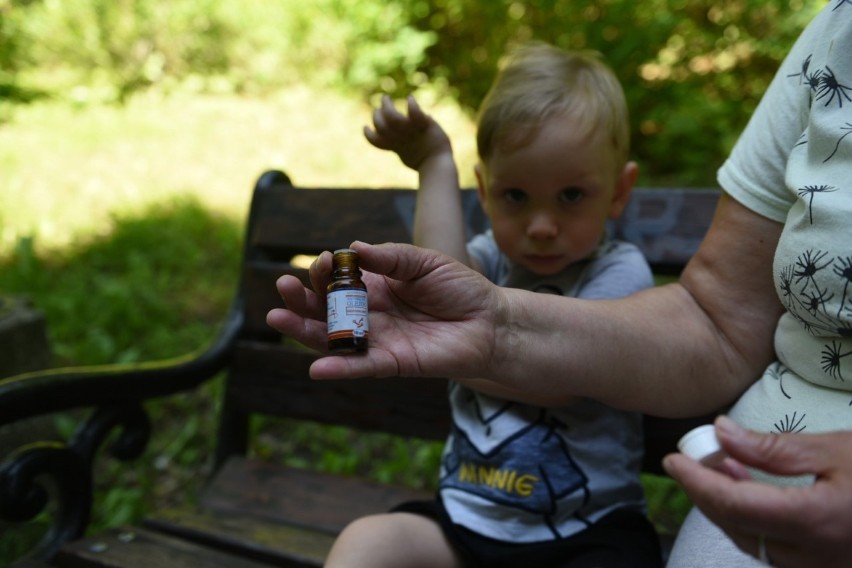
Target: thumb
<point>399,261</point>
<point>780,454</point>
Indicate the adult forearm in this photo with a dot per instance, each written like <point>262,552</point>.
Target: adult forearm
<point>655,352</point>
<point>522,395</point>
<point>675,350</point>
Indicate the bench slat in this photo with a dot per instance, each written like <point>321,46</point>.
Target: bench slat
<point>273,379</point>
<point>260,294</point>
<point>667,225</point>
<point>292,221</point>
<point>280,515</point>
<point>145,549</point>
<point>314,221</point>
<point>312,500</point>
<point>246,536</point>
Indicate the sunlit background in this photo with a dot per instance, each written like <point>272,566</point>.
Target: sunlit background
<point>112,105</point>
<point>132,132</point>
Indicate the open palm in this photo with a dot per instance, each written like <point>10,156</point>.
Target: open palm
<point>429,315</point>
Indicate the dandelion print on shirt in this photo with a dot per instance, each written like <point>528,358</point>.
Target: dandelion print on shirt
<point>814,266</point>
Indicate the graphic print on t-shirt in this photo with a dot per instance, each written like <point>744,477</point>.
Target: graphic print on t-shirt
<point>497,454</point>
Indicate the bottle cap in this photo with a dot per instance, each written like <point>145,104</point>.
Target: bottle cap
<point>702,445</point>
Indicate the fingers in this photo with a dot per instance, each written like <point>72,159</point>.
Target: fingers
<point>374,363</point>
<point>373,137</point>
<point>320,272</point>
<point>747,507</point>
<point>416,115</point>
<point>781,454</point>
<point>740,507</point>
<point>387,119</point>
<point>805,525</point>
<point>304,317</point>
<point>309,332</point>
<point>391,119</point>
<point>399,261</point>
<point>389,124</point>
<point>377,136</point>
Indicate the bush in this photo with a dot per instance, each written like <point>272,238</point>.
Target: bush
<point>121,46</point>
<point>693,70</point>
<point>353,44</point>
<point>101,296</point>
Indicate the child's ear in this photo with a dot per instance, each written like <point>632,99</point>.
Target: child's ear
<point>623,187</point>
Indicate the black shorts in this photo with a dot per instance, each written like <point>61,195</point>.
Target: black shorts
<point>622,539</point>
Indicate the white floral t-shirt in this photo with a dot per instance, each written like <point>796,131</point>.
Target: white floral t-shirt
<point>794,164</point>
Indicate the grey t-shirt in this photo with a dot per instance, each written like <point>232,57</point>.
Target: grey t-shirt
<point>521,473</point>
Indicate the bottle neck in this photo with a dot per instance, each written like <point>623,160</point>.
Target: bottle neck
<point>345,263</point>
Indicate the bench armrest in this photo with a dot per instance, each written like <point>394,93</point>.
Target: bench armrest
<point>116,393</point>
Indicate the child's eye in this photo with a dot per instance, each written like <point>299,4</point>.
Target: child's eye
<point>515,195</point>
<point>570,195</point>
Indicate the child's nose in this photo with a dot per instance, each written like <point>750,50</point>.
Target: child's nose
<point>542,225</point>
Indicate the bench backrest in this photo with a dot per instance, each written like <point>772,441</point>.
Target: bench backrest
<point>270,375</point>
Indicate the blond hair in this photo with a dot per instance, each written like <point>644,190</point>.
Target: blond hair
<point>538,81</point>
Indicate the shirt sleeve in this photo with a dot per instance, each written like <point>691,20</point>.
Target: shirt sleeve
<point>620,271</point>
<point>484,251</point>
<point>755,172</point>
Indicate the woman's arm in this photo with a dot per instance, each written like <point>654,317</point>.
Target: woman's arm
<point>685,348</point>
<point>681,349</point>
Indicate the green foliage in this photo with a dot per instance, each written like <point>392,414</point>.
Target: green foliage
<point>10,41</point>
<point>154,285</point>
<point>390,459</point>
<point>120,46</point>
<point>362,44</point>
<point>12,53</point>
<point>693,70</point>
<point>101,296</point>
<point>668,505</point>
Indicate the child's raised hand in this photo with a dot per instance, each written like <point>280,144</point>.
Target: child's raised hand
<point>414,137</point>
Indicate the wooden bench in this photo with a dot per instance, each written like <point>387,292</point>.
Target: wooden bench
<point>256,513</point>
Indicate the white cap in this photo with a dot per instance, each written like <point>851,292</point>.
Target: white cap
<point>702,445</point>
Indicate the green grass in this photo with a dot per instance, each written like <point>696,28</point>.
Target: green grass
<point>153,287</point>
<point>65,171</point>
<point>124,226</point>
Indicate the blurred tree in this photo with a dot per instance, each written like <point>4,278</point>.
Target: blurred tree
<point>693,70</point>
<point>122,46</point>
<point>11,54</point>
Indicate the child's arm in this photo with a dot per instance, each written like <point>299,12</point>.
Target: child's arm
<point>422,145</point>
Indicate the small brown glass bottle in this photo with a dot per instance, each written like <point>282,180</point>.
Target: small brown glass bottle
<point>348,326</point>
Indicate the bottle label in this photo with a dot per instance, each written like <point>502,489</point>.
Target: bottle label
<point>347,313</point>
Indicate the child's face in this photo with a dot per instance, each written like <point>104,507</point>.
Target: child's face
<point>549,199</point>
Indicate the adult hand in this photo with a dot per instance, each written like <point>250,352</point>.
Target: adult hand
<point>801,526</point>
<point>429,315</point>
